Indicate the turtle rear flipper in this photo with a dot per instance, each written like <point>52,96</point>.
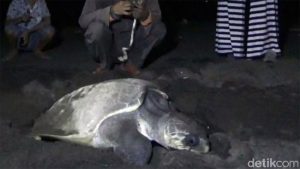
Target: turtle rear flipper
<point>79,139</point>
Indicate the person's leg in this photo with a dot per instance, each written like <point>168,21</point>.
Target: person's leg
<point>146,39</point>
<point>45,36</point>
<point>98,38</point>
<point>263,36</point>
<point>230,28</point>
<point>12,35</point>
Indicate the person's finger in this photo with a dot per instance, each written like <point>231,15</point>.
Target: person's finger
<point>139,6</point>
<point>127,13</point>
<point>127,8</point>
<point>126,3</point>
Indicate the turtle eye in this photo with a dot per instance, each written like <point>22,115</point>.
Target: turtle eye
<point>191,141</point>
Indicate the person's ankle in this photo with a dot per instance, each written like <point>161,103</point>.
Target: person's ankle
<point>270,56</point>
<point>132,69</point>
<point>99,70</point>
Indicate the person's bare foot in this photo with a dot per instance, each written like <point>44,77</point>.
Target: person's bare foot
<point>12,54</point>
<point>41,54</point>
<point>270,56</point>
<point>131,69</point>
<point>99,70</point>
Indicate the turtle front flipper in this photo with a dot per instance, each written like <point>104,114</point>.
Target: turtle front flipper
<point>137,151</point>
<point>121,133</point>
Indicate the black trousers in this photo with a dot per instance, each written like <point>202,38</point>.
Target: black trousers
<point>107,45</point>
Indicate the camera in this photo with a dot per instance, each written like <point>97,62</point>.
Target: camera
<point>136,2</point>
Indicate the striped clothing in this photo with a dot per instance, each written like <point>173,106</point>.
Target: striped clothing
<point>247,28</point>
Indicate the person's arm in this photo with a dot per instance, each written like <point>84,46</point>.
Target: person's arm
<point>45,22</point>
<point>46,18</point>
<point>14,21</point>
<point>147,12</point>
<point>90,14</point>
<point>154,12</point>
<point>147,21</point>
<point>105,15</point>
<point>13,16</point>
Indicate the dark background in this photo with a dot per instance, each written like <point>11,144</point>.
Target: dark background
<point>255,103</point>
<point>66,12</point>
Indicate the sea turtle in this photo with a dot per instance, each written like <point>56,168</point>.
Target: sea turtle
<point>124,114</point>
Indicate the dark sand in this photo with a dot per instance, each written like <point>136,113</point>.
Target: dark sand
<point>251,108</point>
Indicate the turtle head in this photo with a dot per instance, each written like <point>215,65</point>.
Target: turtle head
<point>182,133</point>
<point>160,121</point>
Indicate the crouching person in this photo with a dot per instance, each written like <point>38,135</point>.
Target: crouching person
<point>108,25</point>
<point>28,27</point>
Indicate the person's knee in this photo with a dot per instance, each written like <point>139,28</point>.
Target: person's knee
<point>50,32</point>
<point>96,31</point>
<point>47,33</point>
<point>9,31</point>
<point>159,30</point>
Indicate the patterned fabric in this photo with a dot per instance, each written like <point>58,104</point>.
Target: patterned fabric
<point>35,38</point>
<point>231,27</point>
<point>18,8</point>
<point>247,31</point>
<point>263,29</point>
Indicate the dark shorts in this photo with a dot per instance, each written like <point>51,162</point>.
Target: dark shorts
<point>35,37</point>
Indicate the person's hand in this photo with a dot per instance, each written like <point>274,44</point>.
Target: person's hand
<point>25,18</point>
<point>122,7</point>
<point>140,12</point>
<point>25,37</point>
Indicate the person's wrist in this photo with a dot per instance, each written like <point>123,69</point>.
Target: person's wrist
<point>114,15</point>
<point>145,16</point>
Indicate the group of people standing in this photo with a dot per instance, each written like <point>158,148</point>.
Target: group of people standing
<point>245,29</point>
